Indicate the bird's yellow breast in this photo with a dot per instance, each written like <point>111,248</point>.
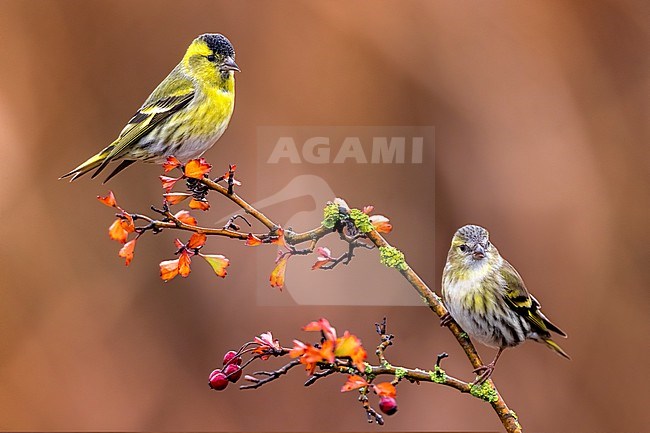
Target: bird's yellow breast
<point>213,110</point>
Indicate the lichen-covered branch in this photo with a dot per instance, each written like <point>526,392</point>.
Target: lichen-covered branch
<point>355,227</point>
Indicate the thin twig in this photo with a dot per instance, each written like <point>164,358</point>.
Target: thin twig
<point>271,375</point>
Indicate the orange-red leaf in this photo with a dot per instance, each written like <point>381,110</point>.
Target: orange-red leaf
<point>184,264</point>
<point>127,251</point>
<point>176,197</point>
<point>322,325</point>
<point>298,349</point>
<point>385,389</point>
<point>253,241</point>
<point>325,257</point>
<point>185,217</point>
<point>381,223</point>
<point>350,346</point>
<point>199,204</point>
<point>277,276</point>
<point>267,345</point>
<point>354,382</point>
<point>127,222</point>
<point>197,168</point>
<point>117,232</point>
<point>168,269</point>
<point>227,175</point>
<point>109,200</point>
<point>168,182</point>
<point>327,351</point>
<point>279,240</point>
<point>218,262</point>
<point>311,355</point>
<point>171,164</point>
<point>197,240</point>
<point>320,262</point>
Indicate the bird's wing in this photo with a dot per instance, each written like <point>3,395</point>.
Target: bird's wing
<point>520,300</point>
<point>171,96</point>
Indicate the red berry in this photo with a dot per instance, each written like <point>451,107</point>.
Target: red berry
<point>388,405</point>
<point>218,380</point>
<point>232,372</point>
<point>231,358</point>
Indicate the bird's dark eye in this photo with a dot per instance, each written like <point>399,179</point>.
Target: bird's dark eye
<point>211,58</point>
<point>464,248</point>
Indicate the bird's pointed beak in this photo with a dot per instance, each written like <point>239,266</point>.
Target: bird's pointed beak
<point>478,253</point>
<point>230,65</point>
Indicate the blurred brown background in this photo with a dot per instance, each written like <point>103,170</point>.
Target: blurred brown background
<point>540,111</point>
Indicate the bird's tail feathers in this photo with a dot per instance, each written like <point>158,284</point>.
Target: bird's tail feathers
<point>90,164</point>
<point>550,325</point>
<point>557,349</point>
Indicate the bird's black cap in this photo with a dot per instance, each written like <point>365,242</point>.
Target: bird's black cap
<point>219,44</point>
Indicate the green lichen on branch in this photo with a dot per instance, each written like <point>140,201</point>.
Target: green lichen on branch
<point>393,258</point>
<point>485,391</point>
<point>331,215</point>
<point>438,375</point>
<point>400,372</point>
<point>361,220</point>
